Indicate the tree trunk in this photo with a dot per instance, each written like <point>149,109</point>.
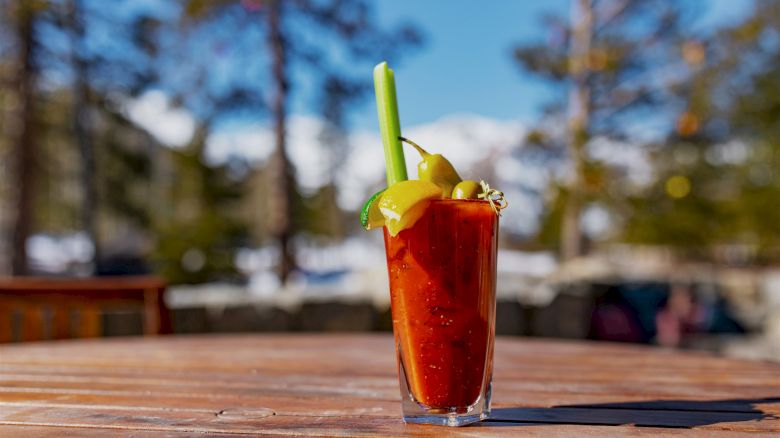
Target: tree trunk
<point>579,111</point>
<point>25,141</point>
<point>280,171</point>
<point>82,128</point>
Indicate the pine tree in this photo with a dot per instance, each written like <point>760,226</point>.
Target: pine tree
<point>197,241</point>
<point>303,32</point>
<point>24,15</point>
<point>614,59</point>
<point>716,183</point>
<point>82,127</point>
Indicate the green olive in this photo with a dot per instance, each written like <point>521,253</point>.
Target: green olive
<point>466,190</point>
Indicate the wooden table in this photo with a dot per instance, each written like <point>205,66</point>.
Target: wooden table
<point>346,385</point>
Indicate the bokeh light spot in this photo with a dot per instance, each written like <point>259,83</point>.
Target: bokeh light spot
<point>693,52</point>
<point>597,59</point>
<point>687,124</point>
<point>678,186</point>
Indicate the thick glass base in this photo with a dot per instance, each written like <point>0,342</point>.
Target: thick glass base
<point>445,419</point>
<point>415,412</point>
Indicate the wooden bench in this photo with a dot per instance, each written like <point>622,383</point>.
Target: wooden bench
<point>61,308</point>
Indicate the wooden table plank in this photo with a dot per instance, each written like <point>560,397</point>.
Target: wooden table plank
<point>495,430</point>
<point>337,391</point>
<point>346,384</point>
<point>16,431</point>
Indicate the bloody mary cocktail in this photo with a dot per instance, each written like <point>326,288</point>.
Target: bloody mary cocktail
<point>442,276</point>
<point>441,237</point>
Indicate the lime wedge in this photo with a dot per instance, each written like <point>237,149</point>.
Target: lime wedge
<point>403,203</point>
<point>370,216</point>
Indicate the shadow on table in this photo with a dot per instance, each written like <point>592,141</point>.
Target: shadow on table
<point>654,413</point>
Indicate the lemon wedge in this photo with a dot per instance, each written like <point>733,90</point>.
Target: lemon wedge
<point>403,203</point>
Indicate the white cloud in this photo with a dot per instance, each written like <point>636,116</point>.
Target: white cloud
<point>522,215</point>
<point>631,157</point>
<point>253,143</point>
<point>363,172</point>
<point>469,141</point>
<point>311,159</point>
<point>466,140</point>
<point>153,112</point>
<point>516,172</point>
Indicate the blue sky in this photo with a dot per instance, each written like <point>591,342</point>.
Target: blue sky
<point>466,64</point>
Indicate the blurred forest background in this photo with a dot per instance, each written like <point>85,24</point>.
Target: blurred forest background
<point>75,162</point>
<point>124,145</point>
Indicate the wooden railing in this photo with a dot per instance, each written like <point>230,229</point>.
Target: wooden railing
<point>35,308</point>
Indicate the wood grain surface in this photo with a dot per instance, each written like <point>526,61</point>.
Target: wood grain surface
<point>346,385</point>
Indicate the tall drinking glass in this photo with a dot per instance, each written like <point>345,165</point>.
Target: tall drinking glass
<point>442,285</point>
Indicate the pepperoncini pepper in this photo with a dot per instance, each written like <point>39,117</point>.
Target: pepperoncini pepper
<point>436,169</point>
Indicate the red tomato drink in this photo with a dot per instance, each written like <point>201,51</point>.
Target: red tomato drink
<point>442,285</point>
